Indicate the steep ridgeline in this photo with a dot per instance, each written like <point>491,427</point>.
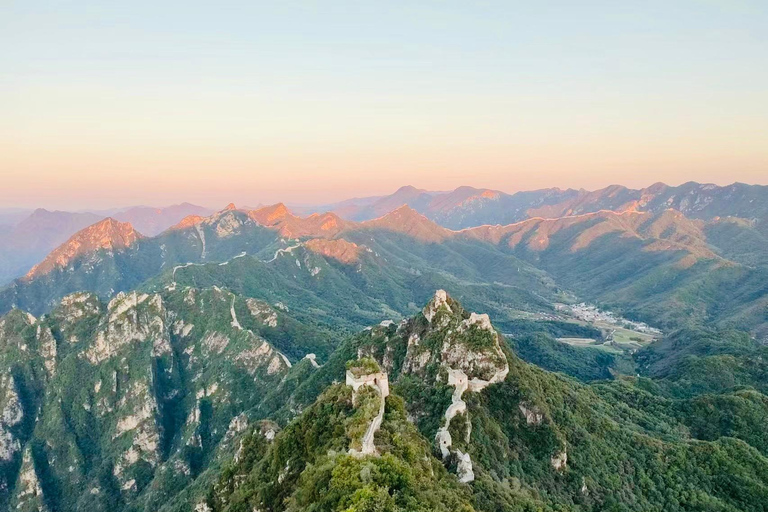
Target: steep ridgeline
<point>526,439</point>
<point>118,406</point>
<point>153,221</point>
<point>111,256</point>
<point>347,285</point>
<point>471,367</point>
<point>659,267</point>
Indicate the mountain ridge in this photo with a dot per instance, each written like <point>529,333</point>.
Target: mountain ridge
<point>468,206</point>
<point>34,234</point>
<point>108,234</point>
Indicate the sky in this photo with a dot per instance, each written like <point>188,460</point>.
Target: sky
<point>106,104</point>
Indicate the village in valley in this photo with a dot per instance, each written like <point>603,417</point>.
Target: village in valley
<point>618,334</point>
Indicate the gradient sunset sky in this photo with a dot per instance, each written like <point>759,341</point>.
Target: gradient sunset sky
<point>117,103</point>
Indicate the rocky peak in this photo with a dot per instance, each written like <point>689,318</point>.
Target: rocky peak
<point>187,222</point>
<point>323,226</point>
<point>409,189</point>
<point>270,215</point>
<point>466,348</point>
<point>107,234</point>
<point>656,188</point>
<point>439,300</point>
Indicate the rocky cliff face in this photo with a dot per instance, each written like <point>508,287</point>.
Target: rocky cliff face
<point>126,400</point>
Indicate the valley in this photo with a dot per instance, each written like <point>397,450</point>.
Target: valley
<point>617,334</point>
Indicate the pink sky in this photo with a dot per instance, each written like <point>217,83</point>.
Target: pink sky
<point>72,180</point>
<point>114,104</point>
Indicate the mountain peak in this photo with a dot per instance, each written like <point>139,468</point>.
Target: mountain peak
<point>439,299</point>
<point>188,221</point>
<point>270,215</point>
<point>409,189</point>
<point>466,189</point>
<point>402,213</point>
<point>230,206</point>
<point>404,209</point>
<point>405,219</point>
<point>107,234</point>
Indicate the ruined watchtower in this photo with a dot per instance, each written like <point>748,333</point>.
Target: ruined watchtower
<point>366,372</point>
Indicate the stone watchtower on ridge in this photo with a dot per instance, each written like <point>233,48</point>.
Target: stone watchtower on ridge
<point>366,372</point>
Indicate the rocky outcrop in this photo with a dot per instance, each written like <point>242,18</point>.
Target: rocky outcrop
<point>48,349</point>
<point>29,494</point>
<point>445,340</point>
<point>10,417</point>
<point>125,376</point>
<point>262,311</point>
<point>132,318</point>
<point>474,348</point>
<point>226,223</point>
<point>533,415</point>
<point>559,460</point>
<point>472,356</point>
<point>439,301</point>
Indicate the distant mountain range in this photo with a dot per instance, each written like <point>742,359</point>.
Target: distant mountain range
<point>467,206</point>
<point>617,245</point>
<point>645,252</point>
<point>26,237</point>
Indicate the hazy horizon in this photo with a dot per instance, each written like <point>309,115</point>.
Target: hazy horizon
<point>255,203</point>
<point>122,104</point>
